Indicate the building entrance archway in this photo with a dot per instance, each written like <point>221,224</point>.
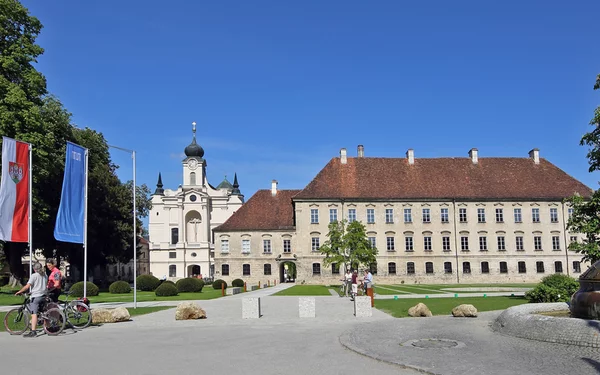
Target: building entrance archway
<point>287,272</point>
<point>194,270</point>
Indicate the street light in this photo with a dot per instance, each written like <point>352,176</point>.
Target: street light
<point>134,227</point>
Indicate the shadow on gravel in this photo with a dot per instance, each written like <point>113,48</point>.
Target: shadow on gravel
<point>595,364</point>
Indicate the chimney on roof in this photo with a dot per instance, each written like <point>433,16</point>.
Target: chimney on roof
<point>361,151</point>
<point>474,155</point>
<point>274,187</point>
<point>535,155</point>
<point>410,155</point>
<point>343,156</point>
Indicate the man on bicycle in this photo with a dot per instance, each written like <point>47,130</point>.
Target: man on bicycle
<point>54,280</point>
<point>37,287</point>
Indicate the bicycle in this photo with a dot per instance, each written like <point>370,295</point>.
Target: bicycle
<point>16,321</point>
<point>77,313</point>
<point>342,290</point>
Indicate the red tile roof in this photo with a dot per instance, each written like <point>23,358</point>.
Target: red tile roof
<point>442,178</point>
<point>263,211</point>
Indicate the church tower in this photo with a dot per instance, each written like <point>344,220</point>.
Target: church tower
<point>194,166</point>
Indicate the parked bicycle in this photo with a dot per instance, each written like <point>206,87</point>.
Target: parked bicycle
<point>77,313</point>
<point>17,320</point>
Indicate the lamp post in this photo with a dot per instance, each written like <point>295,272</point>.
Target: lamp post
<point>133,189</point>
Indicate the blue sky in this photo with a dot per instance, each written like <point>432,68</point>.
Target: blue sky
<point>278,87</point>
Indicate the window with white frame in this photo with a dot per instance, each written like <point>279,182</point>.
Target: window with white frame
<point>332,215</point>
<point>499,215</point>
<point>518,215</point>
<point>389,215</point>
<point>464,243</point>
<point>558,267</point>
<point>370,215</point>
<point>481,215</point>
<point>408,243</point>
<point>539,267</point>
<point>316,269</point>
<point>245,246</point>
<point>501,243</point>
<point>408,215</point>
<point>573,239</point>
<point>447,267</point>
<point>428,267</point>
<point>225,269</point>
<point>555,243</point>
<point>466,267</point>
<point>535,215</point>
<point>446,243</point>
<point>172,270</point>
<point>522,267</point>
<point>485,267</point>
<point>537,243</point>
<point>373,242</point>
<point>351,215</point>
<point>391,245</point>
<point>483,243</point>
<point>391,268</point>
<point>427,215</point>
<point>570,213</point>
<point>427,243</point>
<point>444,215</point>
<point>224,246</point>
<point>503,267</point>
<point>462,215</point>
<point>314,216</point>
<point>266,246</point>
<point>519,243</point>
<point>172,254</point>
<point>576,266</point>
<point>315,244</point>
<point>410,268</point>
<point>287,246</point>
<point>554,215</point>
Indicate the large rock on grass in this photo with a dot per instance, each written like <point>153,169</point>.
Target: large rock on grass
<point>465,310</point>
<point>120,314</point>
<point>420,310</point>
<point>188,311</point>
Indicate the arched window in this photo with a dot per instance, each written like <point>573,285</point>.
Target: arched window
<point>391,268</point>
<point>193,178</point>
<point>172,270</point>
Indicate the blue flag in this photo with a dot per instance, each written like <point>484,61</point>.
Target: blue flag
<point>70,219</point>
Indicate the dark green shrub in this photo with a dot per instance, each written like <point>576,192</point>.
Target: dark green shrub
<point>217,284</point>
<point>77,289</point>
<point>119,287</point>
<point>168,282</point>
<point>238,283</point>
<point>189,284</point>
<point>147,283</point>
<point>553,288</point>
<point>166,290</point>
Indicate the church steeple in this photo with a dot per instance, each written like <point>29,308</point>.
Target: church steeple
<point>159,186</point>
<point>194,149</point>
<point>236,186</point>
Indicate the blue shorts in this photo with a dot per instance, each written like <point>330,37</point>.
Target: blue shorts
<point>34,304</point>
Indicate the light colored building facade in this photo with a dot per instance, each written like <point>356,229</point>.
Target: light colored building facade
<point>181,221</point>
<point>438,220</point>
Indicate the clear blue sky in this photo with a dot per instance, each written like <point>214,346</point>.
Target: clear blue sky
<point>278,87</point>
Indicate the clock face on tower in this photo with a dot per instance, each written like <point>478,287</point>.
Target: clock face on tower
<point>193,164</point>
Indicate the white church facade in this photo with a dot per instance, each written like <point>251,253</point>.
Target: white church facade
<point>181,220</point>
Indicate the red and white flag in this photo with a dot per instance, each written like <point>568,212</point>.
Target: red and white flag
<point>14,191</point>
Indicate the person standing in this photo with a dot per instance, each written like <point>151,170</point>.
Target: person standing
<point>348,281</point>
<point>37,288</point>
<point>54,280</point>
<point>354,284</point>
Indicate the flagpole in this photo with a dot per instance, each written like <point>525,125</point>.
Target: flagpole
<point>134,237</point>
<point>85,213</point>
<point>30,227</point>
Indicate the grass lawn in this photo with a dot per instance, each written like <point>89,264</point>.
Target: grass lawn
<point>443,306</point>
<point>305,290</point>
<point>440,288</point>
<point>7,298</point>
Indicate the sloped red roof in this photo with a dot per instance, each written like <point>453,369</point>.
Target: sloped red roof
<point>263,211</point>
<point>393,178</point>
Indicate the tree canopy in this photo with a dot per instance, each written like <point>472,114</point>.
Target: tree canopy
<point>29,114</point>
<point>586,210</point>
<point>348,244</point>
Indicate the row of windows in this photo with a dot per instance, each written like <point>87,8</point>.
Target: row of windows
<point>444,215</point>
<point>409,244</point>
<point>410,268</point>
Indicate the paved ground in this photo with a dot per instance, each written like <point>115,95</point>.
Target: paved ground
<point>281,343</point>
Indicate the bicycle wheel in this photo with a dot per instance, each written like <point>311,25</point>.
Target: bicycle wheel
<point>16,321</point>
<point>54,321</point>
<point>79,315</point>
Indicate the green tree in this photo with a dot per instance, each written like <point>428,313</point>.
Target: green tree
<point>348,244</point>
<point>586,210</point>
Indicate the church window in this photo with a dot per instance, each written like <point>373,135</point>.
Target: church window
<point>193,178</point>
<point>172,270</point>
<point>174,235</point>
<point>193,198</point>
